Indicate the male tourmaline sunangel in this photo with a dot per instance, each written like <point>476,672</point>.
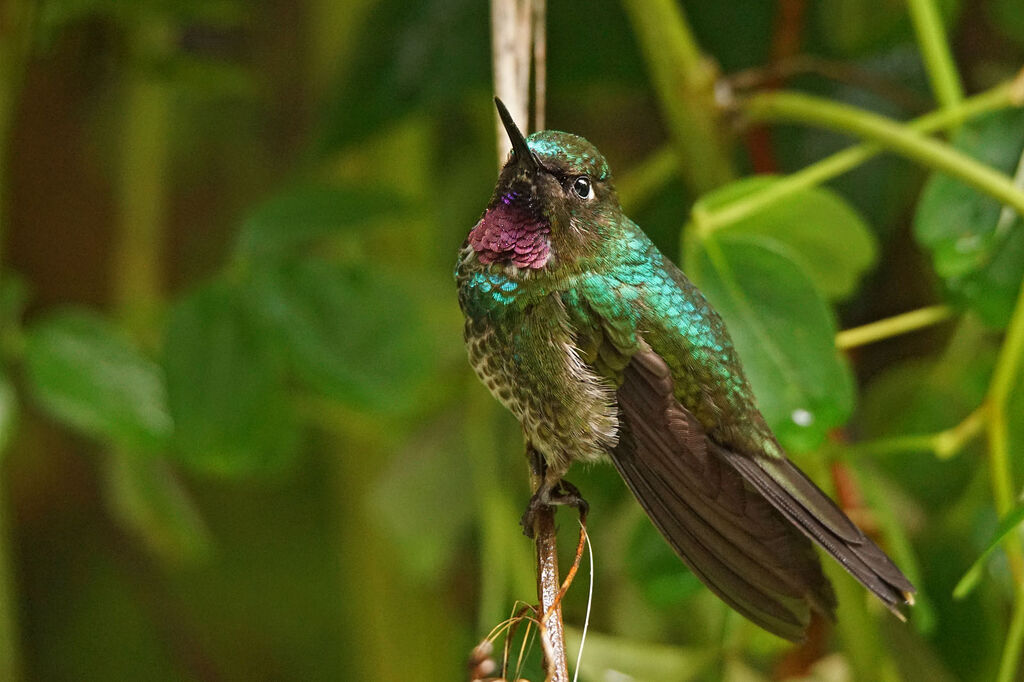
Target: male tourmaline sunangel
<point>601,346</point>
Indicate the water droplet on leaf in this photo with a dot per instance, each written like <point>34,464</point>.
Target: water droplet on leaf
<point>802,417</point>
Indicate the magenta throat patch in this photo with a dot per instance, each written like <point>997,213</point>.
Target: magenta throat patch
<point>512,234</point>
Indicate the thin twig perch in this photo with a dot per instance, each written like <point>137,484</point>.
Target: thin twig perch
<point>549,589</point>
<point>517,34</point>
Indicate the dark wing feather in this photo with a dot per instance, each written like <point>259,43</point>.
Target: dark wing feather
<point>810,510</point>
<point>737,543</point>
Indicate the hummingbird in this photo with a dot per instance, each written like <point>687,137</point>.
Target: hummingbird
<point>603,349</point>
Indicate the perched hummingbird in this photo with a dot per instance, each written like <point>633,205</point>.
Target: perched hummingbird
<point>602,347</point>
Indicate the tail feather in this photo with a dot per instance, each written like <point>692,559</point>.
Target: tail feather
<point>771,601</point>
<point>856,552</point>
<point>743,524</point>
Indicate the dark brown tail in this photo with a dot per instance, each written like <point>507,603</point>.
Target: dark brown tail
<point>733,520</point>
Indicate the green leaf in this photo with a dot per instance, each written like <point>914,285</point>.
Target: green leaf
<point>147,497</point>
<point>816,226</point>
<point>87,375</point>
<point>352,333</point>
<point>306,213</point>
<point>977,250</point>
<point>225,386</point>
<point>970,580</point>
<point>8,413</point>
<point>783,330</point>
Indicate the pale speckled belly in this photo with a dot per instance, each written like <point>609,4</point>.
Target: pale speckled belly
<point>528,362</point>
<point>520,344</point>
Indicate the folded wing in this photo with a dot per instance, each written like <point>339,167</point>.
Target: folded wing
<point>741,523</point>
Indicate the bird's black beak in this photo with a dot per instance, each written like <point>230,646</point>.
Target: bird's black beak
<point>524,156</point>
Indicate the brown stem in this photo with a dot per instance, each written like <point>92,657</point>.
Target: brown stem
<point>549,608</point>
<point>540,62</point>
<point>516,26</point>
<point>512,23</point>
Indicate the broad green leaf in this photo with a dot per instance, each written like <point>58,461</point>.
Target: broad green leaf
<point>306,213</point>
<point>225,386</point>
<point>8,413</point>
<point>87,375</point>
<point>784,332</point>
<point>146,496</point>
<point>970,580</point>
<point>354,334</point>
<point>815,225</point>
<point>976,247</point>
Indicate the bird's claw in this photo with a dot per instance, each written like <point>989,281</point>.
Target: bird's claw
<point>562,493</point>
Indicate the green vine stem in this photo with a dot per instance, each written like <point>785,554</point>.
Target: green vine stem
<point>707,220</point>
<point>1014,639</point>
<point>512,36</point>
<point>1005,377</point>
<point>943,444</point>
<point>931,36</point>
<point>685,82</point>
<point>893,136</point>
<point>893,326</point>
<point>143,194</point>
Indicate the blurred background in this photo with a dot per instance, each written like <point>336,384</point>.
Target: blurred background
<point>241,440</point>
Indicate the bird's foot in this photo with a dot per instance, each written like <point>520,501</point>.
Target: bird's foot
<point>559,493</point>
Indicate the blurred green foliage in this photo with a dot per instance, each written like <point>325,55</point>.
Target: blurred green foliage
<point>239,437</point>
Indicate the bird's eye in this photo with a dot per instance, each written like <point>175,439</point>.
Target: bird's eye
<point>581,186</point>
